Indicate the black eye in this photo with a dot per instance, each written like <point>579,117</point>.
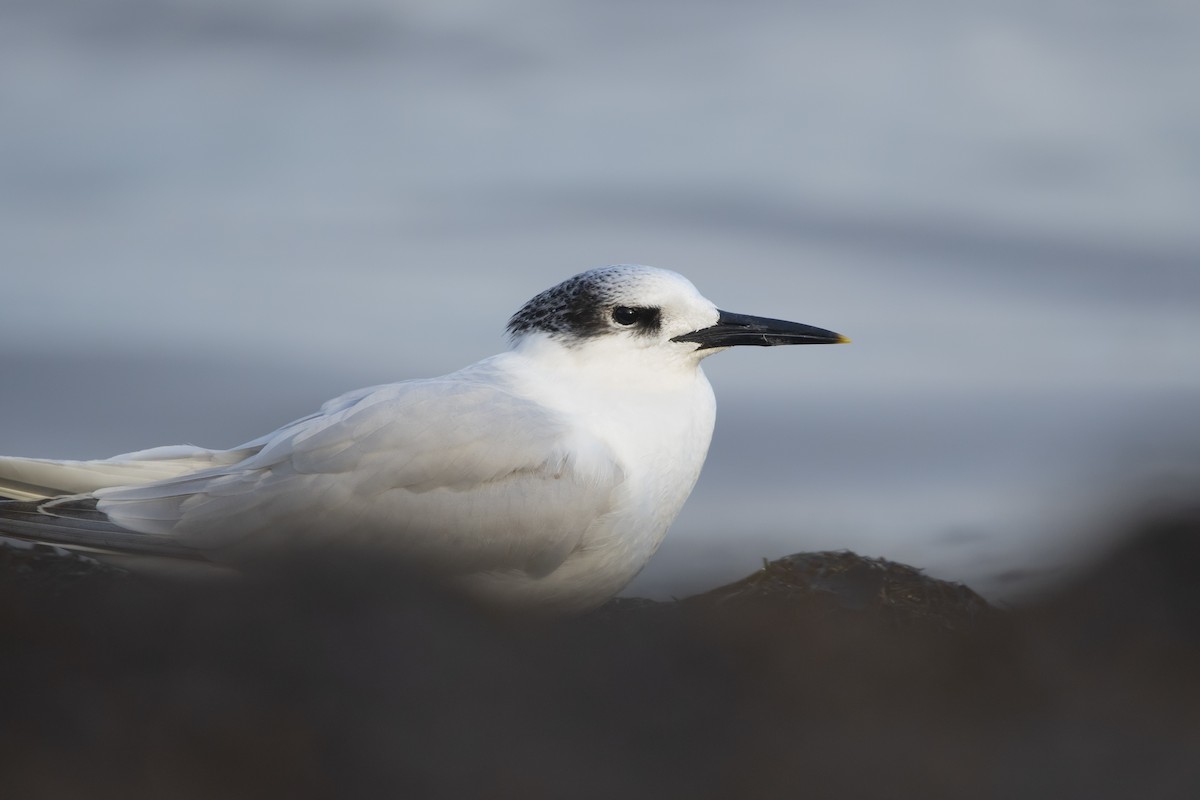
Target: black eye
<point>624,315</point>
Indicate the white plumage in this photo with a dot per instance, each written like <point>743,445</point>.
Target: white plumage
<point>544,476</point>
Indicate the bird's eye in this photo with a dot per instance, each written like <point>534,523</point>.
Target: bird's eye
<point>624,315</point>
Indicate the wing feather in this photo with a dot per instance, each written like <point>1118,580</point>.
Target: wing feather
<point>456,472</point>
<point>39,478</point>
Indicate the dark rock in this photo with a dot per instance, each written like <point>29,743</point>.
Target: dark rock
<point>846,584</point>
<point>823,675</point>
<point>51,567</point>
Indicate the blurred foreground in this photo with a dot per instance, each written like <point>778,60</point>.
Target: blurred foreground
<point>824,675</point>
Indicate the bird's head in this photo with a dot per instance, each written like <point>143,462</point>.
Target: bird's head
<point>652,314</point>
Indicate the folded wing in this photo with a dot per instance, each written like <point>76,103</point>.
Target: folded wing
<point>456,473</point>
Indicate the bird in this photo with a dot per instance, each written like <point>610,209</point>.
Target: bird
<point>542,478</point>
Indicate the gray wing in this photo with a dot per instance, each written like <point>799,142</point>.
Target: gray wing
<point>455,472</point>
<point>74,522</point>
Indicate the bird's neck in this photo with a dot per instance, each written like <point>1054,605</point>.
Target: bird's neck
<point>658,417</point>
<point>607,366</point>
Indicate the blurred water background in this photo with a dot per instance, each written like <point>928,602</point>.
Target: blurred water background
<point>215,215</point>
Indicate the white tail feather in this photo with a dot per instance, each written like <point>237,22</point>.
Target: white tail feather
<point>40,478</point>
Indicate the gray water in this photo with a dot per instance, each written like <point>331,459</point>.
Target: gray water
<point>215,215</point>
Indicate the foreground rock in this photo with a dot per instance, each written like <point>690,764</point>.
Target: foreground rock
<point>823,675</point>
<point>845,584</point>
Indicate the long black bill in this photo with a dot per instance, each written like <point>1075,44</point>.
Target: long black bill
<point>741,329</point>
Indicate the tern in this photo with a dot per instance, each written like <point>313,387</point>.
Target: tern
<point>544,477</point>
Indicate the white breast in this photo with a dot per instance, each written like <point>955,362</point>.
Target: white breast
<point>659,429</point>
